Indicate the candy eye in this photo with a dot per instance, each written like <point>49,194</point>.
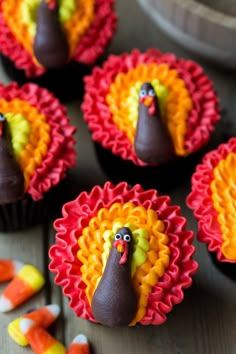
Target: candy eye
<point>143,93</point>
<point>151,92</point>
<point>2,117</point>
<point>127,238</point>
<point>118,237</point>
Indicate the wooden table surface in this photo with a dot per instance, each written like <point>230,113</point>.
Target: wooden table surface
<point>205,322</point>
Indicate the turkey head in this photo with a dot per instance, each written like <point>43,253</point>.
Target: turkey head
<point>152,143</point>
<point>50,47</point>
<point>11,176</point>
<point>114,302</point>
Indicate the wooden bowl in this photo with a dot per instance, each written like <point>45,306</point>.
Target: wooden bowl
<point>206,27</point>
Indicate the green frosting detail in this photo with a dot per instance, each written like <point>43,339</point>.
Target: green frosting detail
<point>20,130</point>
<point>29,12</point>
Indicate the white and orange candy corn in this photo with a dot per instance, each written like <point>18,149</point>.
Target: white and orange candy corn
<point>44,317</point>
<point>9,268</point>
<point>27,282</point>
<point>39,339</point>
<point>79,345</point>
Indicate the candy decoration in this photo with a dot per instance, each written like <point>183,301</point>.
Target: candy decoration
<point>79,345</point>
<point>115,290</point>
<point>39,339</point>
<point>50,46</point>
<point>153,142</point>
<point>25,284</point>
<point>43,316</point>
<point>9,268</point>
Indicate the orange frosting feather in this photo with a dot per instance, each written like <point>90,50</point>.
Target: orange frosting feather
<point>223,198</point>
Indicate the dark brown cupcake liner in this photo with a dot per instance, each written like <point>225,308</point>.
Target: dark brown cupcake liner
<point>227,268</point>
<point>163,178</point>
<point>66,83</point>
<point>26,213</point>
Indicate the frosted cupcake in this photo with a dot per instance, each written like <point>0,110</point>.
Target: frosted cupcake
<point>54,43</point>
<point>122,255</point>
<point>149,115</point>
<point>36,152</point>
<point>212,199</point>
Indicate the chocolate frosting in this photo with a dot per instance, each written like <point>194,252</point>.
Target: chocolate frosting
<point>114,302</point>
<point>153,143</point>
<point>50,46</point>
<point>11,176</point>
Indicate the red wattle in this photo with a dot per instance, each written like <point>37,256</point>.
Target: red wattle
<point>151,109</point>
<point>125,253</point>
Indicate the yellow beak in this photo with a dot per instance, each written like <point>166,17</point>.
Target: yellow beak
<point>120,248</point>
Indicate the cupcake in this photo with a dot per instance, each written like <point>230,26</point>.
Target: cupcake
<point>36,152</point>
<point>212,199</point>
<point>149,115</point>
<point>54,43</point>
<point>122,255</point>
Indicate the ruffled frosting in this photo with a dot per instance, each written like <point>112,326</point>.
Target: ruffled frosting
<point>212,199</point>
<point>45,147</point>
<point>177,263</point>
<point>89,29</point>
<point>194,124</point>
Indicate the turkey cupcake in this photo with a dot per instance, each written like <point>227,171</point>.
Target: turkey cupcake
<point>122,255</point>
<point>54,42</point>
<point>36,152</point>
<point>212,199</point>
<point>150,114</point>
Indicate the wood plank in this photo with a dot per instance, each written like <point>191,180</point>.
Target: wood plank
<point>204,322</point>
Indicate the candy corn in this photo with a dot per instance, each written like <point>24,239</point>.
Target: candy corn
<point>9,268</point>
<point>27,282</point>
<point>79,345</point>
<point>43,316</point>
<point>39,339</point>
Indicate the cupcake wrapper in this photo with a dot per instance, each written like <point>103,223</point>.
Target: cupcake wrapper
<point>26,213</point>
<point>62,82</point>
<point>159,177</point>
<point>229,269</point>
